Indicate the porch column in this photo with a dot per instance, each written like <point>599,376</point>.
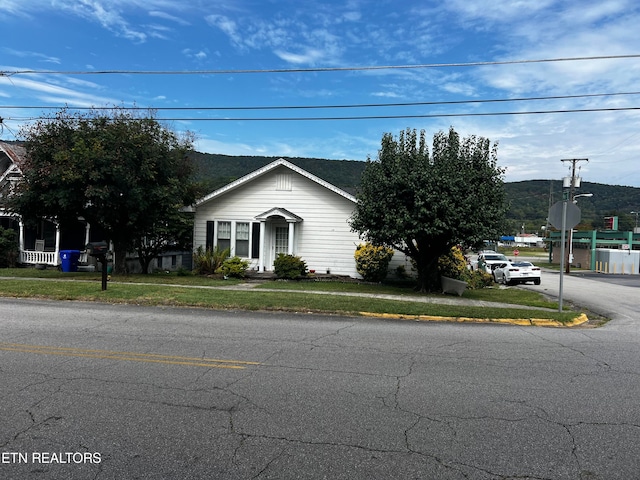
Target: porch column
<point>261,251</point>
<point>290,246</point>
<point>21,240</point>
<point>56,259</point>
<point>87,229</point>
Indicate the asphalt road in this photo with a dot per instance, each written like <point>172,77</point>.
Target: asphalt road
<point>112,392</point>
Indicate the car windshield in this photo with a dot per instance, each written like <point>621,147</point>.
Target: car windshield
<point>523,264</point>
<point>496,257</point>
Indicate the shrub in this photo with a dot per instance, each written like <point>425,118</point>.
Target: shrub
<point>207,262</point>
<point>372,262</point>
<point>453,264</point>
<point>479,279</point>
<point>8,247</point>
<point>289,266</point>
<point>235,267</point>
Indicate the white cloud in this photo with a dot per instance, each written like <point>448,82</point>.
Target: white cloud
<point>105,13</point>
<point>496,10</point>
<point>200,55</point>
<point>56,94</point>
<point>309,57</point>
<point>227,26</point>
<point>167,16</point>
<point>27,54</point>
<point>386,94</point>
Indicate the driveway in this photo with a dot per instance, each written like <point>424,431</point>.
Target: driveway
<point>613,296</point>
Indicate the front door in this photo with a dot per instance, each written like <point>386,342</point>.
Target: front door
<point>282,240</point>
<point>277,241</point>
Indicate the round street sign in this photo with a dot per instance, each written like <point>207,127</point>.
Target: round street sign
<point>573,215</point>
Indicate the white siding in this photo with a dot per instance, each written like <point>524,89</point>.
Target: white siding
<point>323,239</point>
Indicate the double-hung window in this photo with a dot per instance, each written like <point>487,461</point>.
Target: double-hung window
<point>242,239</point>
<point>224,235</point>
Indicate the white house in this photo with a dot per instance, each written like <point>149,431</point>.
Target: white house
<point>280,208</point>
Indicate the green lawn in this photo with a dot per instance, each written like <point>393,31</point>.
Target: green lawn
<point>175,290</point>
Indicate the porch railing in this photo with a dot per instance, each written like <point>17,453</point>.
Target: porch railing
<point>32,257</point>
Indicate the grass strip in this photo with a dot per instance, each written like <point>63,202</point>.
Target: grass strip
<point>163,295</point>
<point>159,278</point>
<point>513,296</point>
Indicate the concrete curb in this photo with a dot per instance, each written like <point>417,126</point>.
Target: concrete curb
<point>523,322</point>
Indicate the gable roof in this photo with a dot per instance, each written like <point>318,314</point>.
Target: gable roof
<point>280,212</point>
<point>268,168</point>
<point>12,159</point>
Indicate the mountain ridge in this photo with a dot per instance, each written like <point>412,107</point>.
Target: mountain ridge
<point>529,199</point>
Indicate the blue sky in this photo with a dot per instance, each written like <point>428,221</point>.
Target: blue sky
<point>228,38</point>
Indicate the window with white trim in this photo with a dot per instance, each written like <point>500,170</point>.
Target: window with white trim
<point>242,239</point>
<point>224,235</point>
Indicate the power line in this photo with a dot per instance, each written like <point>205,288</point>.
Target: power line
<point>8,73</point>
<point>311,107</point>
<point>368,117</point>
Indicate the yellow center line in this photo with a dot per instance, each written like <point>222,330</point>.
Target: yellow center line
<point>127,356</point>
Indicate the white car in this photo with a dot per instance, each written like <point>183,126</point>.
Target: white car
<point>488,260</point>
<point>512,273</point>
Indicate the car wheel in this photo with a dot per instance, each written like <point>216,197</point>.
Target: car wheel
<point>536,281</point>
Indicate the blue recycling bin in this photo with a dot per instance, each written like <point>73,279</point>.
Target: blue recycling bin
<point>69,260</point>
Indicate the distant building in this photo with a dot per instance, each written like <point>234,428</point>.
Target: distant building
<point>522,240</point>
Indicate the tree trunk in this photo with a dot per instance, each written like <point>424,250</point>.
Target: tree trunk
<point>120,260</point>
<point>428,280</point>
<point>145,262</point>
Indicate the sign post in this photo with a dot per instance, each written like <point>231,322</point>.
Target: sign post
<point>563,215</point>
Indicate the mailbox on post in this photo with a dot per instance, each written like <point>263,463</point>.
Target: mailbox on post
<point>100,250</point>
<point>97,249</point>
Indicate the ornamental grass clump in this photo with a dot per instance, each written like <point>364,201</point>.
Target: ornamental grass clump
<point>209,261</point>
<point>372,261</point>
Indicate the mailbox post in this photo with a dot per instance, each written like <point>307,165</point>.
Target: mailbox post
<point>100,250</point>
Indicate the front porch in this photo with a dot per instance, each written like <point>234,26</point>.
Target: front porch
<point>41,245</point>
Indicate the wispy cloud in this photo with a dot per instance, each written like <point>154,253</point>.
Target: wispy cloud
<point>26,54</point>
<point>227,26</point>
<point>309,57</point>
<point>199,55</point>
<point>107,14</point>
<point>57,94</point>
<point>167,16</point>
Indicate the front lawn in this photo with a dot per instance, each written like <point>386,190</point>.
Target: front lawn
<point>188,290</point>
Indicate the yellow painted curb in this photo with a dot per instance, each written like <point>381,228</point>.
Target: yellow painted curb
<point>526,322</point>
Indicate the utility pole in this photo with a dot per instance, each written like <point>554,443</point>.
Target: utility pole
<point>569,198</point>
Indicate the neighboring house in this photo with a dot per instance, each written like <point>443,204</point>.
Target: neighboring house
<point>39,244</point>
<point>280,208</point>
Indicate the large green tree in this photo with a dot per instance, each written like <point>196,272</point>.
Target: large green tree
<point>423,204</point>
<point>125,172</point>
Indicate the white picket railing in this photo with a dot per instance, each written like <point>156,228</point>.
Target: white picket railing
<point>32,257</point>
